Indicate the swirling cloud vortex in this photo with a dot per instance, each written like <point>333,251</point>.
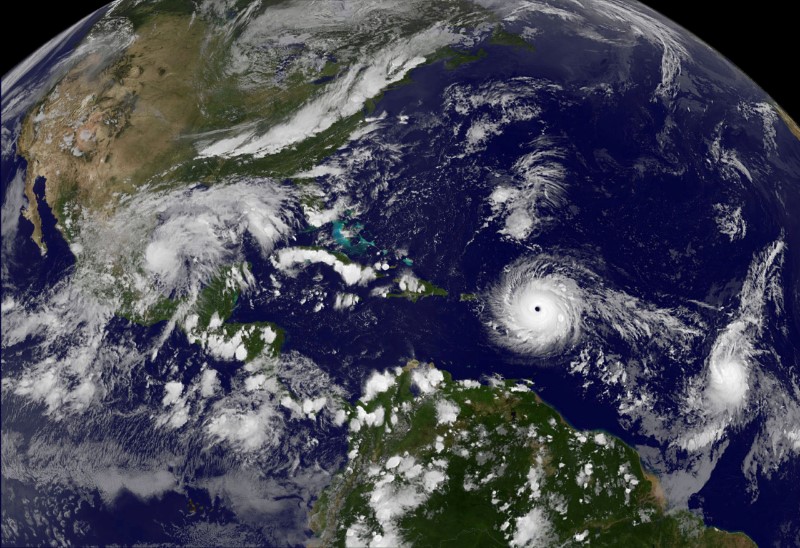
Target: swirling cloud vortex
<point>536,309</point>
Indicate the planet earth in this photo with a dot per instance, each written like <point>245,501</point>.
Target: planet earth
<point>383,273</point>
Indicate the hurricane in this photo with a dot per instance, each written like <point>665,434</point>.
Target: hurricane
<point>308,273</point>
<point>537,309</point>
<point>728,369</point>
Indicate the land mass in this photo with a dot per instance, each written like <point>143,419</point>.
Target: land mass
<point>112,123</point>
<point>435,462</point>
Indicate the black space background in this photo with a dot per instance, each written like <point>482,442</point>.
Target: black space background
<point>762,39</point>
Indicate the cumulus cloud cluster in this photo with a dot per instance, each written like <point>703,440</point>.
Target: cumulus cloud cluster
<point>155,244</point>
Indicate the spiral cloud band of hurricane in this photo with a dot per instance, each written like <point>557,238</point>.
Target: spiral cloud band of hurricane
<point>537,310</point>
<point>569,193</point>
<point>545,305</point>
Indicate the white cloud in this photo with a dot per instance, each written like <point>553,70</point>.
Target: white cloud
<point>287,259</point>
<point>769,117</point>
<point>371,419</point>
<point>658,33</point>
<point>107,38</point>
<point>9,220</point>
<point>143,484</point>
<point>537,312</point>
<point>727,160</point>
<point>307,408</point>
<point>254,382</point>
<point>621,16</point>
<point>249,430</point>
<point>377,384</point>
<point>728,369</point>
<point>154,244</point>
<point>730,221</point>
<point>601,439</point>
<point>551,283</point>
<point>393,495</point>
<point>172,392</point>
<point>446,412</point>
<point>536,477</point>
<point>343,97</point>
<point>345,300</point>
<point>393,462</point>
<point>427,378</point>
<point>409,282</point>
<point>532,529</point>
<point>199,231</point>
<point>209,383</point>
<point>538,189</point>
<point>67,328</point>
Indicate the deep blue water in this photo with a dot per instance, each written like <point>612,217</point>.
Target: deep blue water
<point>638,214</point>
<point>621,181</point>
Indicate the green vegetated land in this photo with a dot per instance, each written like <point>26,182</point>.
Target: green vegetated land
<point>212,310</point>
<point>469,464</point>
<point>424,289</point>
<point>217,302</point>
<point>137,100</point>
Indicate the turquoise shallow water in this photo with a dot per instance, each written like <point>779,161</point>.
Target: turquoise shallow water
<point>642,183</point>
<point>348,234</point>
